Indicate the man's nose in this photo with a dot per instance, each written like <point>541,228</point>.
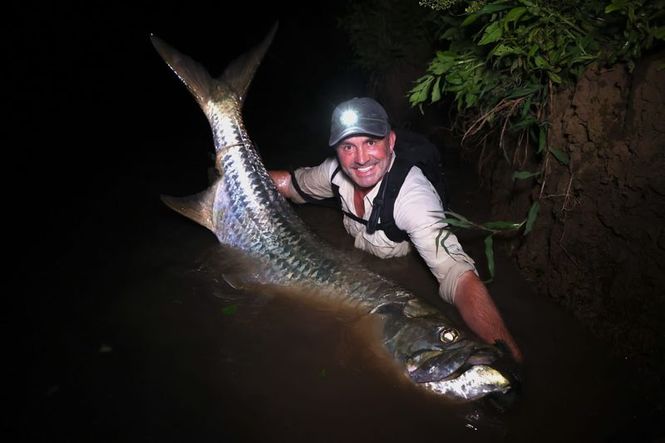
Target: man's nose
<point>362,155</point>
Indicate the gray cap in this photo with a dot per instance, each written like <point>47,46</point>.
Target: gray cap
<point>358,116</point>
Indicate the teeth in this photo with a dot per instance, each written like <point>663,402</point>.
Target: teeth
<point>365,169</point>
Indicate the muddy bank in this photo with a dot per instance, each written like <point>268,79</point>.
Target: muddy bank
<point>598,246</point>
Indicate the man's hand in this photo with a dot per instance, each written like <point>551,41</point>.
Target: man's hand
<point>481,314</point>
<point>282,180</point>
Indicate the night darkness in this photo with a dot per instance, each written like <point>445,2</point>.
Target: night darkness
<point>99,127</point>
<point>103,124</point>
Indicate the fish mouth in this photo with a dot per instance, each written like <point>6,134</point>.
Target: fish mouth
<point>436,366</point>
<point>467,373</point>
<point>472,384</point>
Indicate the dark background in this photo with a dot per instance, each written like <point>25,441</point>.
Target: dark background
<point>98,128</point>
<point>98,119</point>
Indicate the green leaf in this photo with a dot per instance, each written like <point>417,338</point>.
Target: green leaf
<point>443,241</point>
<point>457,223</point>
<point>502,225</point>
<point>532,50</point>
<point>524,91</point>
<point>526,107</point>
<point>541,62</point>
<point>554,77</point>
<point>531,217</point>
<point>521,175</point>
<point>502,49</point>
<point>525,122</point>
<point>450,34</point>
<point>514,15</point>
<point>470,19</point>
<point>489,254</point>
<point>542,139</point>
<point>492,33</point>
<point>612,7</point>
<point>229,310</point>
<point>436,91</point>
<point>491,8</point>
<point>659,32</point>
<point>470,100</point>
<point>560,155</point>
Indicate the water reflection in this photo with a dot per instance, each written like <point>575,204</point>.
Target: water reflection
<point>280,366</point>
<point>160,347</point>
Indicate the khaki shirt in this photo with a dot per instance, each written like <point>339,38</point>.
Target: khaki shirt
<point>418,210</point>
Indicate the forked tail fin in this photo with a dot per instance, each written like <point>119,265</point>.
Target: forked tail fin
<point>232,84</point>
<point>235,79</point>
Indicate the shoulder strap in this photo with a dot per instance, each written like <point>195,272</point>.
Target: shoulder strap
<point>384,207</point>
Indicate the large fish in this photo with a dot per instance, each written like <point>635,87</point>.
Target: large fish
<point>247,214</point>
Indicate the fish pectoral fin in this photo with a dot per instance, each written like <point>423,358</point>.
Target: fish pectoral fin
<point>197,207</point>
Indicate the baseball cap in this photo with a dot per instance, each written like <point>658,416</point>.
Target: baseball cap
<point>362,115</point>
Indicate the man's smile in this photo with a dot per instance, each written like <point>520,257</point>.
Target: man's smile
<point>363,170</point>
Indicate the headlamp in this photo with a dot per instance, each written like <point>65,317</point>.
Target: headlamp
<point>348,117</point>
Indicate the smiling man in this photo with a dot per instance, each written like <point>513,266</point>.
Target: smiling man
<point>359,174</point>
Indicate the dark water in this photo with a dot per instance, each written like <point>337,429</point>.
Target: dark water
<point>138,338</point>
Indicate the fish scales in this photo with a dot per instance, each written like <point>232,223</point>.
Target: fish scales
<point>245,211</point>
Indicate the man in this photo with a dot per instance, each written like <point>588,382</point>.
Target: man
<point>364,143</point>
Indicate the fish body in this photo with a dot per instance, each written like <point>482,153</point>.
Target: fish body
<point>247,214</point>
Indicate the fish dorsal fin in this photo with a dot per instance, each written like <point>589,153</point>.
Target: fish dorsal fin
<point>191,72</point>
<point>197,207</point>
<point>239,74</point>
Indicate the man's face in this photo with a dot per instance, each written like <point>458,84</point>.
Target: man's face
<point>365,159</point>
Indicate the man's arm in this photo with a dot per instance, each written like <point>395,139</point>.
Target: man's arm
<point>313,182</point>
<point>481,314</point>
<point>418,212</point>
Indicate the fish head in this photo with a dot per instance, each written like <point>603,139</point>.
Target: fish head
<point>441,357</point>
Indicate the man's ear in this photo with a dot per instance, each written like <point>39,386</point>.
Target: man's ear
<point>391,140</point>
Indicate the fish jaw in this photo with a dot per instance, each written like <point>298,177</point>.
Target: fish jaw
<point>441,358</point>
<point>476,382</point>
<point>440,365</point>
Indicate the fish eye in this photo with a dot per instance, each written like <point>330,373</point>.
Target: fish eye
<point>448,335</point>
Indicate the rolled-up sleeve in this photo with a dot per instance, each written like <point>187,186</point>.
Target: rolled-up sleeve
<point>315,180</point>
<point>418,211</point>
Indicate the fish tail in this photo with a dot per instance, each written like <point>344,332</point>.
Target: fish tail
<point>208,91</point>
<point>233,82</point>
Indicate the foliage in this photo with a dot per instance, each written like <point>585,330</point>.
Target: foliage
<point>455,221</point>
<point>498,63</point>
<point>500,60</point>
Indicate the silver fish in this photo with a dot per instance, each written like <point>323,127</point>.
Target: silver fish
<point>246,212</point>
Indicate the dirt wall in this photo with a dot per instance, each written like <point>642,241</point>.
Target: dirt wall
<point>598,245</point>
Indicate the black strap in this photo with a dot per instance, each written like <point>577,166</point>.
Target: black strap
<point>377,205</point>
<point>381,217</point>
<point>328,202</point>
<point>392,183</point>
